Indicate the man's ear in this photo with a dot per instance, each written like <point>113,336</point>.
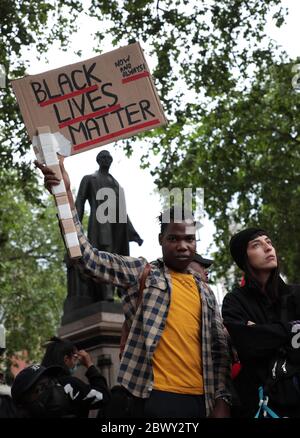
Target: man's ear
<point>160,238</point>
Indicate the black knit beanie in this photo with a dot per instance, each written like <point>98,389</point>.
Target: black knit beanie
<point>239,242</point>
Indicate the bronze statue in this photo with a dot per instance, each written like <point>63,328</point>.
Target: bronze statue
<point>110,235</point>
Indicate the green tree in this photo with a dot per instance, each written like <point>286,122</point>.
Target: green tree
<point>202,49</point>
<point>245,153</point>
<point>34,25</point>
<point>212,62</point>
<point>32,274</point>
<point>233,113</point>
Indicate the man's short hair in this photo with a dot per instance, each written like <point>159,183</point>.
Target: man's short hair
<point>175,214</point>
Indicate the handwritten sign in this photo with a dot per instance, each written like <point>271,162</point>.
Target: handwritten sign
<point>93,102</point>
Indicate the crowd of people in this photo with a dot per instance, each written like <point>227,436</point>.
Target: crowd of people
<point>182,359</point>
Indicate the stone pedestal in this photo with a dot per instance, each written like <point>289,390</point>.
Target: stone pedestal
<point>97,329</point>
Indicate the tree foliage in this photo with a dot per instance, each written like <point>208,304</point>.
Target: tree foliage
<point>26,24</point>
<point>245,153</point>
<point>233,113</point>
<point>32,274</point>
<point>225,87</point>
<point>32,277</point>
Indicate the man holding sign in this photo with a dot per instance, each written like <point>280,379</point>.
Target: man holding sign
<point>77,107</point>
<point>175,362</point>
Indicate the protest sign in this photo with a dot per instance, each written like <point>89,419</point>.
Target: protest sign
<point>93,102</point>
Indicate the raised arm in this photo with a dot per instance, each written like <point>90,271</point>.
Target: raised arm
<point>111,268</point>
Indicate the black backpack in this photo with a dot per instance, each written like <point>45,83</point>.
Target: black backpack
<point>283,382</point>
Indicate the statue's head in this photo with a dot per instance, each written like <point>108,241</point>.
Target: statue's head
<point>104,159</point>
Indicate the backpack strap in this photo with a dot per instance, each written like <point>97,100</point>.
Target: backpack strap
<point>144,276</point>
<point>263,407</point>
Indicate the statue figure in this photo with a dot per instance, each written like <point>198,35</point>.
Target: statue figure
<point>112,236</point>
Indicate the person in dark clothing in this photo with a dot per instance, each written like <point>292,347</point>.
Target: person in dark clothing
<point>260,317</point>
<point>61,352</point>
<point>40,392</point>
<point>64,353</point>
<point>201,265</point>
<point>37,393</point>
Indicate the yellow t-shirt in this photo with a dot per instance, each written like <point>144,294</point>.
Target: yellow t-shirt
<point>177,361</point>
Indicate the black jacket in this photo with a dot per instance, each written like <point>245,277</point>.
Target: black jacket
<point>85,397</point>
<point>257,344</point>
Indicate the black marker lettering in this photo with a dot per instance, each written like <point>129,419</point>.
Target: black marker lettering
<point>92,125</point>
<point>92,99</point>
<point>58,116</point>
<point>145,105</point>
<point>131,113</point>
<point>75,83</point>
<point>50,96</point>
<point>103,118</point>
<point>109,94</point>
<point>64,79</point>
<point>119,116</point>
<point>39,93</point>
<point>80,129</point>
<point>88,74</point>
<point>79,103</point>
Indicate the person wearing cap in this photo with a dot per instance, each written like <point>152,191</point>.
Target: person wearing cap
<point>201,265</point>
<point>37,393</point>
<point>64,353</point>
<point>43,392</point>
<point>259,316</point>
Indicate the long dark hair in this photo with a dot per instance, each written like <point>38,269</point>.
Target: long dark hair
<point>56,350</point>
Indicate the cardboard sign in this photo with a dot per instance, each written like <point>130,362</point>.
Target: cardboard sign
<point>93,102</point>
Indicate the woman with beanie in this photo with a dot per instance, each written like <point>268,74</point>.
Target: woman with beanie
<point>261,318</point>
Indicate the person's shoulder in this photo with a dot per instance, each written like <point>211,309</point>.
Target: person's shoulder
<point>206,287</point>
<point>158,263</point>
<point>235,294</point>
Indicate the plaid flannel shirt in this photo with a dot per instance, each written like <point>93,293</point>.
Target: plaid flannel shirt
<point>148,322</point>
